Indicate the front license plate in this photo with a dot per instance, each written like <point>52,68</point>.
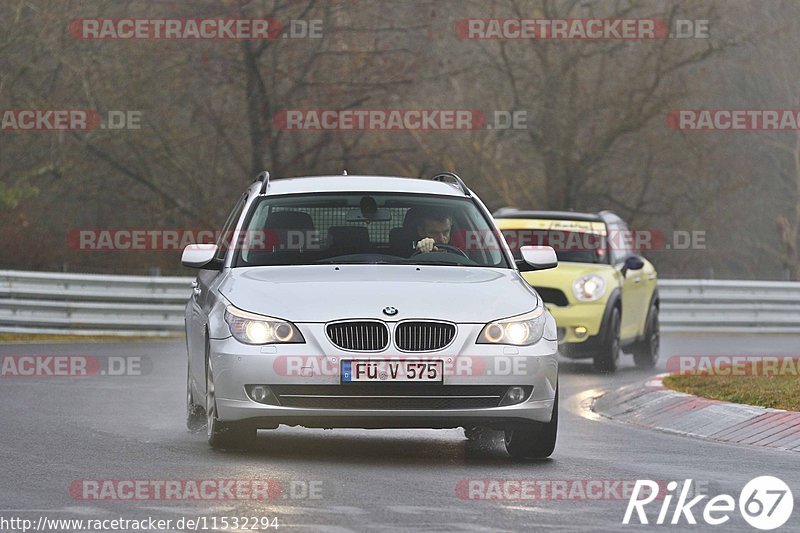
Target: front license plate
<point>382,370</point>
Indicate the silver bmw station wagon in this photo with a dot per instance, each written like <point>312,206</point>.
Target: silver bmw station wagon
<point>368,302</point>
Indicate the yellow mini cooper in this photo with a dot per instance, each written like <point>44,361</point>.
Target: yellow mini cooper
<point>602,294</point>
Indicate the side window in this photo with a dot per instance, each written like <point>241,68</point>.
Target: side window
<point>225,237</point>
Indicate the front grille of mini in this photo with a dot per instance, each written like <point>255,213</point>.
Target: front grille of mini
<point>423,336</point>
<point>361,336</point>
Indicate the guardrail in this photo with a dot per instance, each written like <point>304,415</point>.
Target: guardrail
<point>92,304</point>
<point>728,306</point>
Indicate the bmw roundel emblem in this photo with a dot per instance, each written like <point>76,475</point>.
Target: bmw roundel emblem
<point>390,311</point>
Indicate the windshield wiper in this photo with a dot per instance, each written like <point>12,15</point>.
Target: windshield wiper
<point>442,262</point>
<point>356,262</point>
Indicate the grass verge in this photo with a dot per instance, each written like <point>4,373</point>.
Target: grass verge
<point>775,391</point>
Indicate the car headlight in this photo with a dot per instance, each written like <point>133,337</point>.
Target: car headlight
<point>250,328</point>
<point>522,330</point>
<point>589,288</point>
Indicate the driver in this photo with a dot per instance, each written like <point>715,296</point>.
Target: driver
<point>433,228</point>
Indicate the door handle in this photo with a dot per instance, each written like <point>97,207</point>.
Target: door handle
<point>637,280</point>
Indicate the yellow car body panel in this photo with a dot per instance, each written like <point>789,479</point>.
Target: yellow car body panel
<point>575,313</point>
<point>634,292</point>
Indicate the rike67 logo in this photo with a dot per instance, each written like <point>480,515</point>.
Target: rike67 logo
<point>765,503</point>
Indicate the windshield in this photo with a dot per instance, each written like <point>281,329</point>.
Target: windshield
<point>574,244</point>
<point>366,228</point>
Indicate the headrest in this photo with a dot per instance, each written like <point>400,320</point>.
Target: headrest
<point>290,220</point>
<point>353,237</point>
<point>412,218</point>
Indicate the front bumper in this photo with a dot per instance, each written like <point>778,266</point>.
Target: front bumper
<point>236,365</point>
<point>588,315</point>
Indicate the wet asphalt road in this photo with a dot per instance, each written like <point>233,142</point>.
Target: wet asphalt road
<point>55,431</point>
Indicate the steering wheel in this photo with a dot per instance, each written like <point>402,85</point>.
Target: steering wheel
<point>447,247</point>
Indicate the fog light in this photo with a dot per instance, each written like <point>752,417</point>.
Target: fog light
<point>515,395</point>
<point>259,393</point>
<point>581,331</point>
<point>262,394</point>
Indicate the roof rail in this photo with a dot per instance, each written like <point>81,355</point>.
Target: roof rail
<point>263,177</point>
<point>454,180</point>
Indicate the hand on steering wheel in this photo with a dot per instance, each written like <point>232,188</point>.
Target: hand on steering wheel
<point>428,245</point>
<point>425,245</point>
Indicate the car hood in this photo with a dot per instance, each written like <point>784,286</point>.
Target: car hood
<point>321,293</point>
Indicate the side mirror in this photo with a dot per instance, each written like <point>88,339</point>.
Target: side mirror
<point>201,256</point>
<point>537,258</point>
<point>633,262</point>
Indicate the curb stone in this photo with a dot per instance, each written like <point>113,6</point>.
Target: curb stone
<point>649,404</point>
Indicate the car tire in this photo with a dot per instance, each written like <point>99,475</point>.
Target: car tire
<point>645,354</point>
<point>195,414</point>
<point>606,359</point>
<point>534,440</point>
<point>224,435</point>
